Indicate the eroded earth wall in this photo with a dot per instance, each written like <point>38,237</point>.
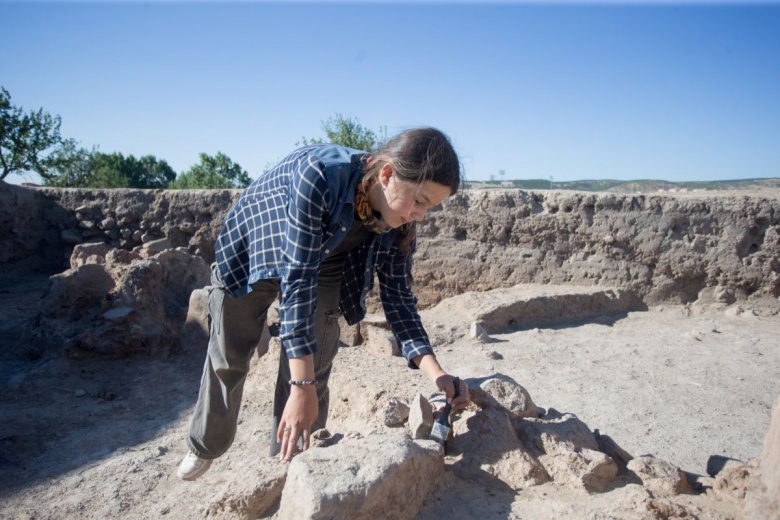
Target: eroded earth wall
<point>664,247</point>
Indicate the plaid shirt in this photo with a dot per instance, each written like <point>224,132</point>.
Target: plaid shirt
<point>285,224</point>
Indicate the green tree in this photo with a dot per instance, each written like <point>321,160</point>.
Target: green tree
<point>348,132</point>
<point>76,167</point>
<point>72,166</point>
<point>114,170</point>
<point>218,172</point>
<point>25,137</point>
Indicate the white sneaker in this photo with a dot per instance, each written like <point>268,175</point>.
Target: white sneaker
<point>192,467</point>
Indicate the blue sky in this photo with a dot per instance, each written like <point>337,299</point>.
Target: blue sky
<point>569,90</point>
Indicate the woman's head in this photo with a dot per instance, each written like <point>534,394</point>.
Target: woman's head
<point>413,172</point>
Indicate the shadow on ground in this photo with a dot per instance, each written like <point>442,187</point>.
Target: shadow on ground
<point>61,414</point>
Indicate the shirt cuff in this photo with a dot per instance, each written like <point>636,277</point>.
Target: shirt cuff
<point>298,347</point>
<point>413,348</point>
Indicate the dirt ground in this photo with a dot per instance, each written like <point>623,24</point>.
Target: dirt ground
<point>96,439</point>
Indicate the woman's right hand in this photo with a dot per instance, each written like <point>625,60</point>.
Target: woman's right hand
<point>299,415</point>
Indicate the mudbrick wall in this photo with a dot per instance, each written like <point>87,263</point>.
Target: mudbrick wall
<point>663,247</point>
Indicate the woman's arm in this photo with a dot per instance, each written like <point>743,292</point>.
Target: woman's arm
<point>400,307</point>
<point>302,252</point>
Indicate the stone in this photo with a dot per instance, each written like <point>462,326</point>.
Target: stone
<point>591,470</point>
<point>661,477</point>
<point>395,412</point>
<point>420,417</point>
<point>107,223</point>
<point>251,488</point>
<point>116,258</point>
<point>322,438</point>
<point>379,341</point>
<point>152,247</point>
<point>90,252</point>
<point>478,332</point>
<point>486,442</point>
<point>379,476</point>
<point>568,450</point>
<point>503,393</point>
<point>77,289</point>
<point>734,480</point>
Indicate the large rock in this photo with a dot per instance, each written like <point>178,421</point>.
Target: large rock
<point>395,412</point>
<point>379,476</point>
<point>256,485</point>
<point>503,393</point>
<point>569,450</point>
<point>75,291</point>
<point>420,417</point>
<point>485,442</point>
<point>661,477</point>
<point>115,303</point>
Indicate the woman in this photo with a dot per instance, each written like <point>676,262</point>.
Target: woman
<point>315,229</point>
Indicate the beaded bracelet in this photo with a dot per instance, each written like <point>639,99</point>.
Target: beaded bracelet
<point>304,382</point>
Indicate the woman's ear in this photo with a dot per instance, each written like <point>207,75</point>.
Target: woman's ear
<point>385,174</point>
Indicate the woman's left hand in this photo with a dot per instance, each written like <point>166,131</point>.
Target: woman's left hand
<point>299,414</point>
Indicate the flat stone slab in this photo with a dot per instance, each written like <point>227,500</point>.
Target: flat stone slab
<point>526,306</point>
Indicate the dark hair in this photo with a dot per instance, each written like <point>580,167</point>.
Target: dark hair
<point>417,155</point>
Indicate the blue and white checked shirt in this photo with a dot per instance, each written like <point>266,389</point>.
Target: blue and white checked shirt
<point>285,224</point>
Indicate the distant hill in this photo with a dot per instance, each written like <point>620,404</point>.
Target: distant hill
<point>637,186</point>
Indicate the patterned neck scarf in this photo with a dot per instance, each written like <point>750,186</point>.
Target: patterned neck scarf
<point>364,212</point>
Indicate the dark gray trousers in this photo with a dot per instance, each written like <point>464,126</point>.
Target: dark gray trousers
<point>236,328</point>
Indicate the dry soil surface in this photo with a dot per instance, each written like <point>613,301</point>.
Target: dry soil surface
<point>86,438</point>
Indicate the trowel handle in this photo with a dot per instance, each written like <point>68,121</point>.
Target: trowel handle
<point>445,416</point>
<point>456,382</point>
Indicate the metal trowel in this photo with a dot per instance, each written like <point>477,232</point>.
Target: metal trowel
<point>442,425</point>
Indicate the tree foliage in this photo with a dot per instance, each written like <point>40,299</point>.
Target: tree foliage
<point>348,132</point>
<point>217,172</point>
<point>80,168</point>
<point>72,166</point>
<point>25,137</point>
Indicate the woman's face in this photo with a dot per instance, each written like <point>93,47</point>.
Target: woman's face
<point>400,201</point>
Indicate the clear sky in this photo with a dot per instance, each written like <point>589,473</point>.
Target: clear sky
<point>569,90</point>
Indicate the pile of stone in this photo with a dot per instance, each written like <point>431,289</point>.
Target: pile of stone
<point>502,437</point>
